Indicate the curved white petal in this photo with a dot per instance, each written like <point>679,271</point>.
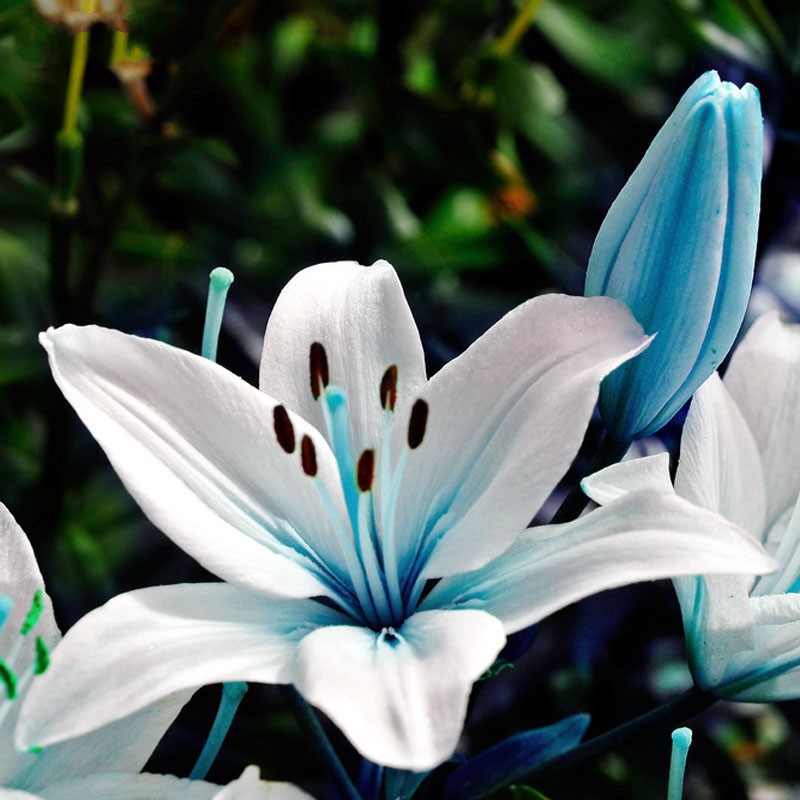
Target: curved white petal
<point>250,787</point>
<point>783,542</point>
<point>771,672</point>
<point>776,609</point>
<point>361,317</point>
<point>636,475</point>
<point>400,697</point>
<point>197,449</point>
<point>720,467</point>
<point>506,419</point>
<point>718,621</point>
<point>15,794</point>
<point>642,536</point>
<point>764,380</point>
<point>122,746</point>
<point>144,645</point>
<point>20,579</point>
<point>126,786</point>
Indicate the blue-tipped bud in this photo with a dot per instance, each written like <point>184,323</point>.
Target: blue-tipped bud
<point>678,248</point>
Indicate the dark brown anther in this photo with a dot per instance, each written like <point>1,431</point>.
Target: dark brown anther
<point>318,367</point>
<point>283,428</point>
<point>365,473</point>
<point>389,388</point>
<point>308,456</point>
<point>417,424</point>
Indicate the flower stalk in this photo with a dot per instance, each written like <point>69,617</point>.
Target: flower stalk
<point>323,749</point>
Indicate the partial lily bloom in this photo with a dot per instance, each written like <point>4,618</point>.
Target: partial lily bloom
<point>739,458</point>
<point>99,765</point>
<point>678,248</point>
<point>332,499</point>
<point>74,14</point>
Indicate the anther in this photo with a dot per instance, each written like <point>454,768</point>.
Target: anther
<point>318,367</point>
<point>41,657</point>
<point>35,611</point>
<point>365,473</point>
<point>417,424</point>
<point>308,456</point>
<point>389,388</point>
<point>9,680</point>
<point>284,430</point>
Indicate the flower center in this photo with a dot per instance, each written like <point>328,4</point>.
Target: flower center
<point>367,534</point>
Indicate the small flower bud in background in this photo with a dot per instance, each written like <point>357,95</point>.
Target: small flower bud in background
<point>132,65</point>
<point>78,15</point>
<point>678,247</point>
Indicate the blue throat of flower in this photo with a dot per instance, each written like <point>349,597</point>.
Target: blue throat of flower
<point>13,681</point>
<point>376,596</point>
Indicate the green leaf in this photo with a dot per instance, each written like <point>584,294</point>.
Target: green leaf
<point>530,99</point>
<point>606,54</point>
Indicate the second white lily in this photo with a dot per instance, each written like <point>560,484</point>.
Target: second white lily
<point>739,457</point>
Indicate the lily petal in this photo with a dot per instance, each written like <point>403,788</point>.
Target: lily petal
<point>400,696</point>
<point>361,317</point>
<point>122,746</point>
<point>720,466</point>
<point>506,420</point>
<point>642,536</point>
<point>124,786</point>
<point>719,625</point>
<point>764,380</point>
<point>636,475</point>
<point>197,449</point>
<point>251,787</point>
<point>20,579</point>
<point>149,643</point>
<point>770,672</point>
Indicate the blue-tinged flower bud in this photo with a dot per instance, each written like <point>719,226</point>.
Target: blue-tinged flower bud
<point>678,247</point>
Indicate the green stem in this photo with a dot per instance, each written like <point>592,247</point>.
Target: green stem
<point>609,452</point>
<point>69,155</point>
<point>517,27</point>
<point>323,749</point>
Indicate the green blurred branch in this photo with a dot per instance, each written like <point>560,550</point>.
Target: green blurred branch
<point>517,27</point>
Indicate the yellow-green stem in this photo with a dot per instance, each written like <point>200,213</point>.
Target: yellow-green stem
<point>514,32</point>
<point>119,47</point>
<point>77,68</point>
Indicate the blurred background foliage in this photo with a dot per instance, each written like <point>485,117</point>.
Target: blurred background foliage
<point>476,144</point>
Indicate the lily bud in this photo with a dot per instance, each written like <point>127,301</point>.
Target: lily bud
<point>678,247</point>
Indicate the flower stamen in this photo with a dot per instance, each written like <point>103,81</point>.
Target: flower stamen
<point>417,424</point>
<point>388,388</point>
<point>308,456</point>
<point>365,473</point>
<point>284,430</point>
<point>318,367</point>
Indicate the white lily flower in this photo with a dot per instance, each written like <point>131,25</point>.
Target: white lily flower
<point>103,764</point>
<point>739,458</point>
<point>331,498</point>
